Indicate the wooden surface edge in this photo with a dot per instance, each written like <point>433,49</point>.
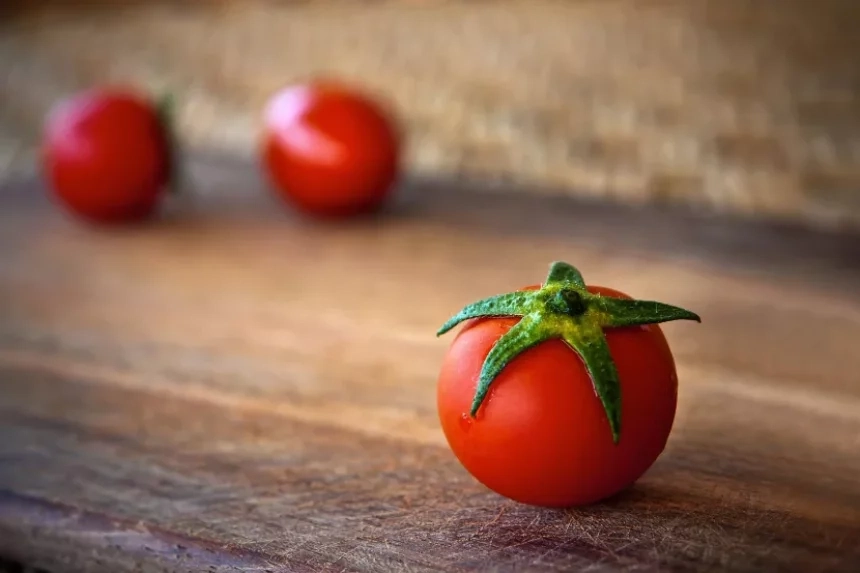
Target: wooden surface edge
<point>61,538</point>
<point>500,207</point>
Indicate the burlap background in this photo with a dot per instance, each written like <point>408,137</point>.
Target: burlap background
<point>746,106</point>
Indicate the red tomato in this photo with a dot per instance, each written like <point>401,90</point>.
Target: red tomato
<point>541,436</point>
<point>106,156</point>
<point>329,150</point>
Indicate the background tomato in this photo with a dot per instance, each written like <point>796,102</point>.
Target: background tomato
<point>329,150</point>
<point>106,155</point>
<point>541,436</point>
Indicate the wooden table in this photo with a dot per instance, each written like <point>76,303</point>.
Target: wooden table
<point>236,389</point>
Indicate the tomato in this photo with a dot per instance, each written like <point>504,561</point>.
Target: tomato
<point>541,435</point>
<point>106,155</point>
<point>330,150</point>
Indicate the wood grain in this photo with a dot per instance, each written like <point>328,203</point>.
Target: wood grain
<point>237,389</point>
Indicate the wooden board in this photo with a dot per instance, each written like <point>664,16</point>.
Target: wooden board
<point>237,389</point>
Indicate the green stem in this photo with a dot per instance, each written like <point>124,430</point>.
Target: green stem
<point>165,106</point>
<point>564,309</point>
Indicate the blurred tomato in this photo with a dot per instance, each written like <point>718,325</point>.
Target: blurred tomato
<point>329,150</point>
<point>106,155</point>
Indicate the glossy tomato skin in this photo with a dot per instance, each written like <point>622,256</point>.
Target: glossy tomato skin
<point>105,156</point>
<point>541,436</point>
<point>330,150</point>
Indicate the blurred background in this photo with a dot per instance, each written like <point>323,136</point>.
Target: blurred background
<point>745,107</point>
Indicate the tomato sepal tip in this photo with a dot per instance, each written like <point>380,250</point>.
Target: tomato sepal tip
<point>165,106</point>
<point>563,308</point>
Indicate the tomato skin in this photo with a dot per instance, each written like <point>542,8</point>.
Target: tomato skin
<point>329,150</point>
<point>105,156</point>
<point>541,437</point>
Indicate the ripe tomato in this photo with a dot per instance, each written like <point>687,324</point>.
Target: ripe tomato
<point>329,150</point>
<point>541,434</point>
<point>106,155</point>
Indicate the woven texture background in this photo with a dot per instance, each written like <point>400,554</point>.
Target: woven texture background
<point>751,107</point>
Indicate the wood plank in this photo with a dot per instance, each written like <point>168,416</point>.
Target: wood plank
<point>235,388</point>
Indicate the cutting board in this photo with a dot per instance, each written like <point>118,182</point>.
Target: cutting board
<point>236,388</point>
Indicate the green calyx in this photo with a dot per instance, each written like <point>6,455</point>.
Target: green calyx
<point>563,308</point>
<point>165,107</point>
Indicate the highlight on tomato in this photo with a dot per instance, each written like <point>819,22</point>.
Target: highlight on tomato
<point>107,154</point>
<point>560,394</point>
<point>329,149</point>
